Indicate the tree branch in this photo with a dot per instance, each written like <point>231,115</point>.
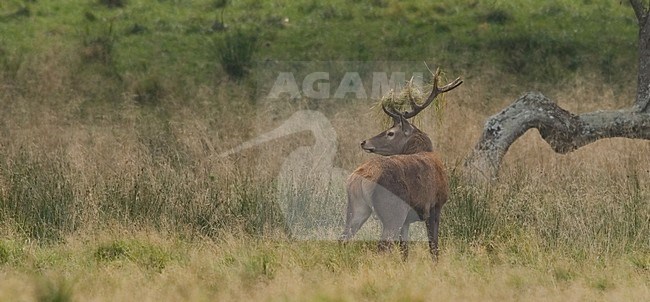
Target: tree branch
<point>561,129</point>
<point>640,10</point>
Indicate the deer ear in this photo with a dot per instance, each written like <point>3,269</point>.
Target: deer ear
<point>397,121</point>
<point>405,125</point>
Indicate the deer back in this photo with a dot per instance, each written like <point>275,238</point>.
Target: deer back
<point>418,179</point>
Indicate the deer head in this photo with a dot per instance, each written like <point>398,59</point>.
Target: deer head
<point>403,137</point>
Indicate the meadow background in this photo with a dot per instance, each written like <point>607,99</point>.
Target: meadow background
<point>113,114</point>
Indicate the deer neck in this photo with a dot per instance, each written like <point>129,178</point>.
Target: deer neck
<point>420,142</point>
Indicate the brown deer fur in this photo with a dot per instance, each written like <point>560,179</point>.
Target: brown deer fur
<point>407,184</point>
<point>418,181</point>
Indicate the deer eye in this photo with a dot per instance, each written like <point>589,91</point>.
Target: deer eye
<point>390,133</point>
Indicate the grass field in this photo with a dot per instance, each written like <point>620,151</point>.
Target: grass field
<point>113,120</point>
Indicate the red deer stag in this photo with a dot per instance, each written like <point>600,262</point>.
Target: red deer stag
<point>405,185</point>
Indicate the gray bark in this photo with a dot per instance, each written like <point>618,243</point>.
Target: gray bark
<point>641,11</point>
<point>561,129</point>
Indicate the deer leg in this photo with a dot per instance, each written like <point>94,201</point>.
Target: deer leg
<point>432,230</point>
<point>393,217</point>
<point>404,240</point>
<point>357,214</point>
<point>389,237</point>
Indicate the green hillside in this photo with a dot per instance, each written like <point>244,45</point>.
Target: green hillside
<point>158,42</point>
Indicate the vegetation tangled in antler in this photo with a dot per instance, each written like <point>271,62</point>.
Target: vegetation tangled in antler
<point>411,95</point>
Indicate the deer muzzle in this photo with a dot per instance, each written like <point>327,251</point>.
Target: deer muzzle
<point>367,147</point>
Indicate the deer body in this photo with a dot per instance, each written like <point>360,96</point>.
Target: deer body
<point>401,189</point>
<point>407,184</point>
<point>397,173</point>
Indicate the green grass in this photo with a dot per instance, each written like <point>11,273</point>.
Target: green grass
<point>544,42</point>
<point>108,268</point>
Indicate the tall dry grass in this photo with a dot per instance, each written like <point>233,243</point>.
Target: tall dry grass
<point>121,197</point>
<point>71,164</point>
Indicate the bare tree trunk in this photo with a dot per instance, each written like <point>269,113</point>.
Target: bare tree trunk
<point>642,103</point>
<point>563,130</point>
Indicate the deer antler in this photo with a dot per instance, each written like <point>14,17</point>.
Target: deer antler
<point>390,112</point>
<point>435,91</point>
